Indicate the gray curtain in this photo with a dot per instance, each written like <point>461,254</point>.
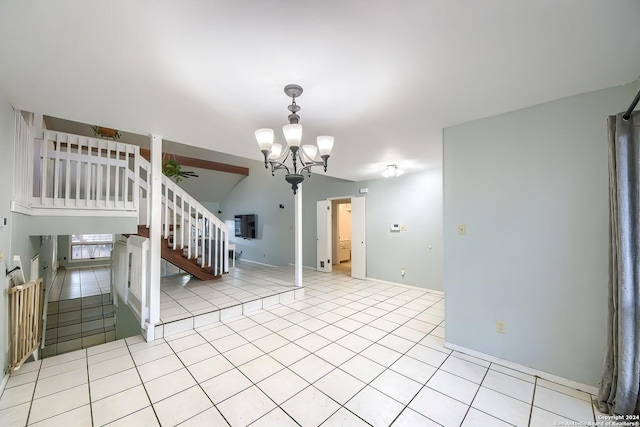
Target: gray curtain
<point>621,379</point>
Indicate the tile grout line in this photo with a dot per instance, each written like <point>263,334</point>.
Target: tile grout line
<point>33,393</point>
<point>422,388</point>
<point>197,383</point>
<point>353,291</point>
<point>284,367</point>
<point>141,383</point>
<point>533,398</point>
<point>253,384</point>
<point>356,353</point>
<point>476,394</point>
<point>86,355</point>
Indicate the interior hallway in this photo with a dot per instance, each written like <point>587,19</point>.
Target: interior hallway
<point>352,353</point>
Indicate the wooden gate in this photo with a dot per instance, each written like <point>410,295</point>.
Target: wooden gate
<point>25,321</point>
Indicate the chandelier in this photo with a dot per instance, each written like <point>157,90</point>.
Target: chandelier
<point>303,160</point>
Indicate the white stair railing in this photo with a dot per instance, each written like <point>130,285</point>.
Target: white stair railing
<point>88,173</point>
<point>68,173</point>
<point>195,230</point>
<point>65,171</point>
<point>138,274</point>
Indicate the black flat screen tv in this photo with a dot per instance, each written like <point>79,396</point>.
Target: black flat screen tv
<point>245,226</point>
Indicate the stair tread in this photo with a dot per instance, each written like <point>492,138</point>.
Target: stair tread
<point>181,260</point>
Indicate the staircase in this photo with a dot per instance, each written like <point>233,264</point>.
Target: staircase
<point>84,180</point>
<point>180,258</point>
<point>194,239</point>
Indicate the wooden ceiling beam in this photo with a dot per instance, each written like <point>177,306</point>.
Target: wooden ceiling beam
<point>200,163</point>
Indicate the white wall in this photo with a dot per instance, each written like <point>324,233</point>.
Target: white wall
<point>531,186</point>
<point>6,180</point>
<point>15,237</point>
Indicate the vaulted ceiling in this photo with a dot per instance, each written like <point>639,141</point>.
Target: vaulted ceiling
<point>383,77</point>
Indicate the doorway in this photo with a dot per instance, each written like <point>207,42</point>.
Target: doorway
<point>341,236</point>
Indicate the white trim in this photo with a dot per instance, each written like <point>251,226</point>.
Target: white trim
<point>155,231</point>
<point>527,370</point>
<point>304,266</point>
<point>72,267</point>
<point>340,198</point>
<point>34,211</point>
<point>260,263</point>
<point>402,285</point>
<point>3,383</point>
<point>298,236</point>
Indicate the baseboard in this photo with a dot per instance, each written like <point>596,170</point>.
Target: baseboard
<point>73,267</point>
<point>433,291</point>
<point>527,370</point>
<point>304,266</point>
<point>3,384</point>
<point>256,262</point>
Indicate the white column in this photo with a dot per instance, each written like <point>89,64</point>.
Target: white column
<point>298,236</point>
<point>155,235</point>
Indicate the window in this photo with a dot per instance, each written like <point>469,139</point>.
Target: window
<point>90,246</point>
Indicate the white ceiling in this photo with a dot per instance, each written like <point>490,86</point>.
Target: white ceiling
<point>383,77</point>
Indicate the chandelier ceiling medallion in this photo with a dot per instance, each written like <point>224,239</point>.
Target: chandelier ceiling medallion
<point>303,160</point>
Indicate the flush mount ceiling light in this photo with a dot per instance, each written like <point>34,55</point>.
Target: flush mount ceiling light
<point>303,160</point>
<point>392,171</point>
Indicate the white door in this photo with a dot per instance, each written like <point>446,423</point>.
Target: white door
<point>323,247</point>
<point>358,239</point>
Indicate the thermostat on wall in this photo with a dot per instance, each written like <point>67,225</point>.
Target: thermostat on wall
<point>394,227</point>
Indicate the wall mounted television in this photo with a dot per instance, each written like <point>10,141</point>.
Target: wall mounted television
<point>245,226</point>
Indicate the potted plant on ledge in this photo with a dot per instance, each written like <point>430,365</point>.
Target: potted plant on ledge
<point>173,169</point>
<point>106,133</point>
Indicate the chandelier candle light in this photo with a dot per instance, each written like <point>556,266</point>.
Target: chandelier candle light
<point>303,160</point>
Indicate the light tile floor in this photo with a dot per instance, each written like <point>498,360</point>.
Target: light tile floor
<point>81,282</point>
<point>181,298</point>
<point>352,353</point>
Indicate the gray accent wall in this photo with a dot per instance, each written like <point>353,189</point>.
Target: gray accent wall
<point>414,200</point>
<point>261,194</point>
<point>531,187</point>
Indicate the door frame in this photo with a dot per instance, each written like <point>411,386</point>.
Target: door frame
<point>363,246</point>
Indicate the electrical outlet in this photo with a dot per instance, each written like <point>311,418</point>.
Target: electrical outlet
<point>403,227</point>
<point>462,229</point>
<point>500,327</point>
<point>402,271</point>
